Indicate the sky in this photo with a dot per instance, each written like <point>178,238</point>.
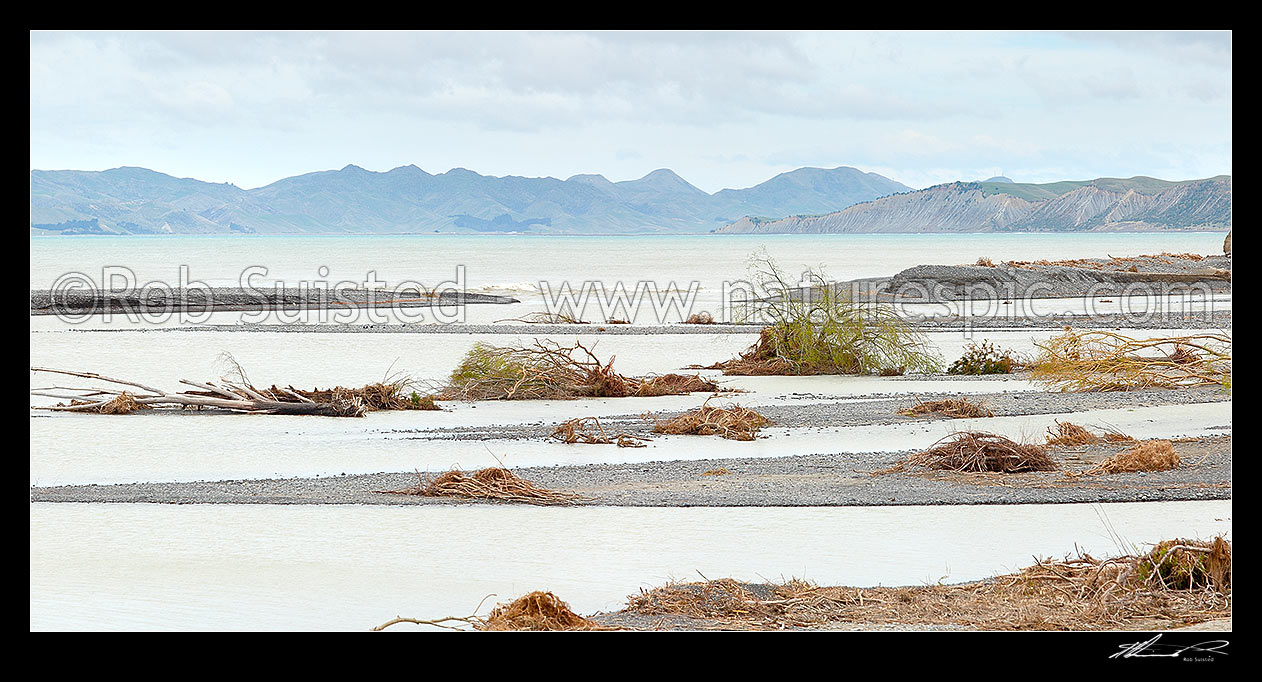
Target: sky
<point>722,109</point>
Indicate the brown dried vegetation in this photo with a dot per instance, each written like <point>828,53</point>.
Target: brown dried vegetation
<point>492,483</point>
<point>974,451</point>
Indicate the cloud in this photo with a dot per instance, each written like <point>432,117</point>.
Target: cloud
<point>719,102</point>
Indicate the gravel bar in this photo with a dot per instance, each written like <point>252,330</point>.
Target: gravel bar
<point>803,480</point>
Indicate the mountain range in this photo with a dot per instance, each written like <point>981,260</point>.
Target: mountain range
<point>1000,205</point>
<point>353,200</point>
<point>133,200</point>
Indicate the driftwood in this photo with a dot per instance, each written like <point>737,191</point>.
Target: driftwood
<point>237,396</point>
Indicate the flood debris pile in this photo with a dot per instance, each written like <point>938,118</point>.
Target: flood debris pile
<point>548,370</point>
<point>589,430</point>
<point>537,611</point>
<point>822,329</point>
<point>1071,435</point>
<point>732,604</point>
<point>545,318</point>
<point>976,451</point>
<point>1109,361</point>
<point>732,422</point>
<point>394,395</point>
<point>955,408</point>
<point>235,395</point>
<point>492,483</point>
<point>1150,455</point>
<point>1178,582</point>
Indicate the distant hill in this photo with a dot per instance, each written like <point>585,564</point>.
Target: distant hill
<point>353,200</point>
<point>1104,204</point>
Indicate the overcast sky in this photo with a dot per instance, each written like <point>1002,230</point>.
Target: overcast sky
<point>722,109</point>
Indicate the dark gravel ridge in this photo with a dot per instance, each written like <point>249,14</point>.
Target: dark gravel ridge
<point>837,479</point>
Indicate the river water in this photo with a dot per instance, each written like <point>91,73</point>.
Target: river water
<point>258,567</point>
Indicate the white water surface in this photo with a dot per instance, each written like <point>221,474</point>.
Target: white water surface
<point>248,567</point>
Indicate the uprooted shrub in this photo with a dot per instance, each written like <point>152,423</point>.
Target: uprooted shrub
<point>985,358</point>
<point>955,408</point>
<point>822,329</point>
<point>548,370</point>
<point>493,483</point>
<point>975,451</point>
<point>1109,361</point>
<point>733,422</point>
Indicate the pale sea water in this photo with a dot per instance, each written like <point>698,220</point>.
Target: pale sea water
<point>508,263</point>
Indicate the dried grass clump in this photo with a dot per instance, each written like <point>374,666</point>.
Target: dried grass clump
<point>548,370</point>
<point>955,408</point>
<point>975,451</point>
<point>733,422</point>
<point>536,611</point>
<point>700,318</point>
<point>588,430</point>
<point>491,483</point>
<point>1150,455</point>
<point>1108,361</point>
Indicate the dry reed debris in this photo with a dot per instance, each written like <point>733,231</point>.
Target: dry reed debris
<point>955,408</point>
<point>975,451</point>
<point>494,483</point>
<point>733,422</point>
<point>1178,582</point>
